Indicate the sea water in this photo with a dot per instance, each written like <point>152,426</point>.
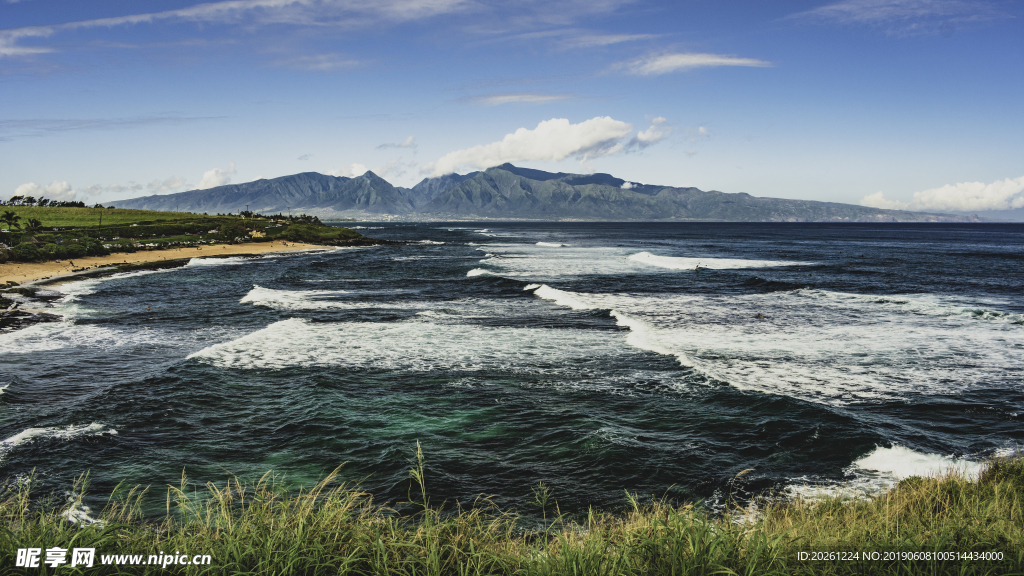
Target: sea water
<point>659,359</point>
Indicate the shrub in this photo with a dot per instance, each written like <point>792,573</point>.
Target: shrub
<point>74,251</point>
<point>26,252</point>
<point>301,233</point>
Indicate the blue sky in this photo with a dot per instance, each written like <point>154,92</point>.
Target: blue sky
<point>893,103</point>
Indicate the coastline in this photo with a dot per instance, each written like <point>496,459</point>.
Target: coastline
<point>28,273</point>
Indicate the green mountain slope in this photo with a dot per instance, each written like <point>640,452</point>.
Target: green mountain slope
<point>508,191</point>
<point>511,192</point>
<point>306,192</point>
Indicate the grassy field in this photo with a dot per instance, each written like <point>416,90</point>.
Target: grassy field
<point>65,233</point>
<point>85,217</point>
<point>928,526</point>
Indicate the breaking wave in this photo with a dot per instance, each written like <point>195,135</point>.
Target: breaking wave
<point>677,263</point>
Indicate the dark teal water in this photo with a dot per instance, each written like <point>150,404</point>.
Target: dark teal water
<point>653,358</point>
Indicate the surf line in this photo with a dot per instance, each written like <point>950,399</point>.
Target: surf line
<point>641,335</point>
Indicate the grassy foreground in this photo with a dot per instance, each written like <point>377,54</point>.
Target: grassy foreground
<point>336,529</point>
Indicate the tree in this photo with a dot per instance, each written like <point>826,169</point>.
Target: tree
<point>33,225</point>
<point>231,231</point>
<point>11,219</point>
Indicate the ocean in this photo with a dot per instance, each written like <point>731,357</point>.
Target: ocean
<point>656,359</point>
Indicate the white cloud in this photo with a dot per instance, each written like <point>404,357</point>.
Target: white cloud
<point>968,196</point>
<point>409,142</point>
<point>904,16</point>
<point>878,200</point>
<point>627,185</point>
<point>317,62</point>
<point>216,177</point>
<point>656,133</point>
<point>554,140</point>
<point>338,13</point>
<point>62,191</point>
<point>394,168</point>
<point>56,190</point>
<point>655,64</point>
<point>699,133</point>
<point>1005,194</point>
<point>596,40</point>
<point>350,171</point>
<point>8,38</point>
<point>170,183</point>
<point>517,97</point>
<point>97,189</point>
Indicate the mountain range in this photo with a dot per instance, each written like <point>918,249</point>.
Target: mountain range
<point>510,192</point>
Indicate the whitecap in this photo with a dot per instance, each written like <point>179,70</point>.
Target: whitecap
<point>930,304</point>
<point>562,298</point>
<point>214,261</point>
<point>290,299</point>
<point>881,469</point>
<point>832,352</point>
<point>677,263</point>
<point>66,433</point>
<point>422,344</point>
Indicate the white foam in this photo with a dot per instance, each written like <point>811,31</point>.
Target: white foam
<point>570,299</point>
<point>421,344</point>
<point>477,272</point>
<point>543,264</point>
<point>430,242</point>
<point>63,434</point>
<point>931,304</point>
<point>900,462</point>
<point>77,513</point>
<point>213,261</point>
<point>63,335</point>
<point>550,244</point>
<point>881,469</point>
<point>678,263</point>
<point>291,299</point>
<point>818,350</point>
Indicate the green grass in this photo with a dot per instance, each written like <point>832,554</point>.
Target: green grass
<point>86,217</point>
<point>333,528</point>
<point>66,233</point>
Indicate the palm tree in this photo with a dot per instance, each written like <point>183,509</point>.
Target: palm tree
<point>11,219</point>
<point>33,225</point>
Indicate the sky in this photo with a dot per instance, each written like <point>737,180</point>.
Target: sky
<point>888,103</point>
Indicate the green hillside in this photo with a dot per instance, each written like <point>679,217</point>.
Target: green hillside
<point>39,233</point>
<point>81,217</point>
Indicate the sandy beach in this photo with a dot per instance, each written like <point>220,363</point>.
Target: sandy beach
<point>27,272</point>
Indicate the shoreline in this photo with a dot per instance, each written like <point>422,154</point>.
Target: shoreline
<point>35,273</point>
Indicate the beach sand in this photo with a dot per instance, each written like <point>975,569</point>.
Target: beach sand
<point>27,272</point>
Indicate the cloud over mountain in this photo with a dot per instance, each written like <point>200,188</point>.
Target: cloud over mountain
<point>1005,194</point>
<point>216,177</point>
<point>552,140</point>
